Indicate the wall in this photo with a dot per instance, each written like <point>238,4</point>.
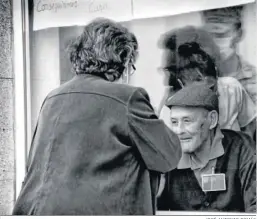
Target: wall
<point>6,110</point>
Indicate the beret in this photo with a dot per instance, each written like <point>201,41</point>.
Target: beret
<point>198,94</point>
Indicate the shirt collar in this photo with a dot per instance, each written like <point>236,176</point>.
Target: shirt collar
<point>201,159</point>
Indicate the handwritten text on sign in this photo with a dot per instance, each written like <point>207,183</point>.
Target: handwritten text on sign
<point>42,5</point>
<point>55,13</point>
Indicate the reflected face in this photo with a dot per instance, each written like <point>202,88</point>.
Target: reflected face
<point>224,35</point>
<point>191,125</point>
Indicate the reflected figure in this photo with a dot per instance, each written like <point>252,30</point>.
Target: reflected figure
<point>225,26</point>
<point>217,170</point>
<point>98,148</point>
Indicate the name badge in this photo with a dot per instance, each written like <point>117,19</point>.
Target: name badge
<point>213,182</point>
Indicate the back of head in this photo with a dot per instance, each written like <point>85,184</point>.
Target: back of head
<point>103,49</point>
<point>191,55</point>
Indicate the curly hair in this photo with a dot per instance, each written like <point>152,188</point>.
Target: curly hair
<point>192,56</point>
<point>103,49</point>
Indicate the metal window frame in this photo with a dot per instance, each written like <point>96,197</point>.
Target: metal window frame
<point>22,103</point>
<point>22,88</point>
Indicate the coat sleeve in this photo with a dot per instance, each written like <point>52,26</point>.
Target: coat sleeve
<point>158,146</point>
<point>247,175</point>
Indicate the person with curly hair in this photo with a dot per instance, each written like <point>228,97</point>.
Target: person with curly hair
<point>98,147</point>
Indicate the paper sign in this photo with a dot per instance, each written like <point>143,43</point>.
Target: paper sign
<point>159,8</point>
<point>56,13</point>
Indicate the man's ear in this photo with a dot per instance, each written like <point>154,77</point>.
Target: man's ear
<point>213,118</point>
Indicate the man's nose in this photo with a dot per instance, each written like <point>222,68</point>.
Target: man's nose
<point>180,129</point>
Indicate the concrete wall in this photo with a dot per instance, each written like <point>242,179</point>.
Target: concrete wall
<point>6,110</point>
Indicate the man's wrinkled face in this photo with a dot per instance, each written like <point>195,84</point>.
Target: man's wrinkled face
<point>224,35</point>
<point>191,125</point>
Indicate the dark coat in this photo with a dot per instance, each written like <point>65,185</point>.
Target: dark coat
<point>97,149</point>
<point>182,191</point>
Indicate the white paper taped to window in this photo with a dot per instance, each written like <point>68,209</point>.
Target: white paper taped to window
<point>57,13</point>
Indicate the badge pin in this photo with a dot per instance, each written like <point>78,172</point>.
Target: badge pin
<point>213,182</point>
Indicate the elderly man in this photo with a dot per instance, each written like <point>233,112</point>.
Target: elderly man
<point>217,170</point>
<point>225,25</point>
